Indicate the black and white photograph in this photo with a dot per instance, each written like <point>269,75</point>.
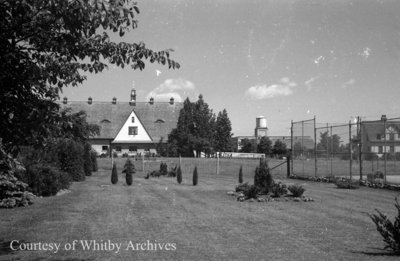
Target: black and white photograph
<point>199,130</point>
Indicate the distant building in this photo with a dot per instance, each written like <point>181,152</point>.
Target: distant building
<point>261,130</point>
<point>129,127</point>
<point>373,136</point>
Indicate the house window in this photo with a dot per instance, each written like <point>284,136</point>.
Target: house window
<point>132,148</point>
<point>133,131</point>
<point>118,148</point>
<point>391,136</point>
<point>104,148</point>
<point>133,119</point>
<point>380,149</point>
<point>378,136</point>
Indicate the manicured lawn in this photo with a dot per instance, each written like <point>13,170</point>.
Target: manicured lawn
<point>203,222</point>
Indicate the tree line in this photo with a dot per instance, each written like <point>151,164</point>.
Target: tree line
<point>199,130</point>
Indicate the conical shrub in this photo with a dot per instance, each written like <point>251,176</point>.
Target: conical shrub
<point>114,174</point>
<point>93,155</point>
<point>179,175</point>
<point>241,175</point>
<point>263,178</point>
<point>87,159</point>
<point>129,169</point>
<point>195,176</point>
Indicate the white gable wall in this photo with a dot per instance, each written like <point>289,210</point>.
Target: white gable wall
<point>123,135</point>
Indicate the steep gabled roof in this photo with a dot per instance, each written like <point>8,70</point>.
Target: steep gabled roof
<point>158,118</point>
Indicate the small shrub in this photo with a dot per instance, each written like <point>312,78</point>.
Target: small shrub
<point>240,175</point>
<point>263,178</point>
<point>129,169</point>
<point>296,190</point>
<point>347,183</point>
<point>93,156</point>
<point>242,187</point>
<point>251,192</point>
<point>278,190</point>
<point>125,155</point>
<point>155,173</point>
<point>87,159</point>
<point>163,169</point>
<point>195,176</point>
<point>179,175</point>
<point>115,155</point>
<point>390,231</point>
<point>114,174</point>
<point>172,172</point>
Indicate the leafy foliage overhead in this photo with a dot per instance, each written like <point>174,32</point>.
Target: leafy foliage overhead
<point>49,44</point>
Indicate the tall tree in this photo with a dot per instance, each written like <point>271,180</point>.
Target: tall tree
<point>264,145</point>
<point>195,131</point>
<point>279,148</point>
<point>204,125</point>
<point>330,144</point>
<point>247,145</point>
<point>223,132</point>
<point>182,136</point>
<point>49,44</point>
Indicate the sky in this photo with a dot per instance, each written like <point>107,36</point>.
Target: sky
<point>286,60</point>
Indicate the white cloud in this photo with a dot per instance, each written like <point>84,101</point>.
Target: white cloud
<point>348,83</point>
<point>179,89</point>
<point>282,88</point>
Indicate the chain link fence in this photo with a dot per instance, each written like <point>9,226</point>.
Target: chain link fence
<point>367,150</point>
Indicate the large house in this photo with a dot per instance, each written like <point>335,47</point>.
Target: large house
<point>374,140</point>
<point>129,127</point>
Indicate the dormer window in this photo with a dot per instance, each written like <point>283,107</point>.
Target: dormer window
<point>105,121</point>
<point>133,130</point>
<point>133,119</point>
<point>159,121</point>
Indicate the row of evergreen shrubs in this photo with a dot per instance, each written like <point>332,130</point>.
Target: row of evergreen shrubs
<point>129,170</point>
<point>47,172</point>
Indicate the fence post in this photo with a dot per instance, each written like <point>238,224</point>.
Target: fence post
<point>332,152</point>
<point>288,165</point>
<point>359,127</point>
<point>385,151</point>
<point>315,148</point>
<point>291,145</point>
<point>302,145</point>
<point>351,156</point>
<point>143,162</point>
<point>217,170</point>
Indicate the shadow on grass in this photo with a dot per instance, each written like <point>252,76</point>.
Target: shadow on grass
<point>377,252</point>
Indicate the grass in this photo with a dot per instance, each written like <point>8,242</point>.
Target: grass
<point>203,221</point>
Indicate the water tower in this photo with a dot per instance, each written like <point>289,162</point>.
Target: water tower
<point>261,129</point>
